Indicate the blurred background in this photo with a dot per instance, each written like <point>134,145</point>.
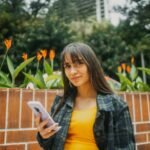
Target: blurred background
<point>118,31</point>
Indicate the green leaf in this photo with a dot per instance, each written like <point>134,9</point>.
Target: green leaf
<point>10,66</point>
<point>138,79</point>
<point>126,84</point>
<point>50,84</point>
<point>39,76</point>
<point>21,66</point>
<point>5,77</point>
<point>133,73</point>
<point>47,68</point>
<point>34,80</point>
<point>54,81</point>
<point>26,80</point>
<point>143,87</point>
<point>146,70</point>
<point>5,85</point>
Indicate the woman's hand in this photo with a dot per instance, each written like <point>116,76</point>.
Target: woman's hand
<point>45,132</point>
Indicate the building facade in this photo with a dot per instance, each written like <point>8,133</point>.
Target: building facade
<point>82,9</point>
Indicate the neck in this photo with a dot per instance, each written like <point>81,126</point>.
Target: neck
<point>86,92</point>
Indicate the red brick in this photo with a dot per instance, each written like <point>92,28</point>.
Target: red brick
<point>21,136</point>
<point>40,96</point>
<point>144,147</point>
<point>34,147</point>
<point>26,114</point>
<point>140,138</point>
<point>145,107</point>
<point>143,127</point>
<point>3,96</point>
<point>50,98</point>
<point>149,137</point>
<point>51,94</point>
<point>137,107</point>
<point>2,137</point>
<point>130,104</point>
<point>12,147</point>
<point>13,108</point>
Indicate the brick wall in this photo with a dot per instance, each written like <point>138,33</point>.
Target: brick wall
<point>17,129</point>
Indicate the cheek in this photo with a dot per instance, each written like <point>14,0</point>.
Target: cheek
<point>86,73</point>
<point>67,74</point>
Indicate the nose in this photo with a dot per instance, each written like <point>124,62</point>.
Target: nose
<point>73,70</point>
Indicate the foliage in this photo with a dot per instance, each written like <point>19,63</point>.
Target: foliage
<point>130,80</point>
<point>41,25</point>
<point>5,80</point>
<point>13,16</point>
<point>31,29</point>
<point>46,79</point>
<point>73,10</point>
<point>135,28</point>
<point>62,9</point>
<point>108,46</point>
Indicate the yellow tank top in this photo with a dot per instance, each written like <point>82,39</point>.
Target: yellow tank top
<point>80,134</point>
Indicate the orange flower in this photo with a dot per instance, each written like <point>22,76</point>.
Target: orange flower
<point>43,52</point>
<point>128,69</point>
<point>123,66</point>
<point>39,56</point>
<point>8,43</point>
<point>52,54</point>
<point>25,56</point>
<point>119,69</point>
<point>132,60</point>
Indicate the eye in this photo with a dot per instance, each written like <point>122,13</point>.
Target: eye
<point>67,66</point>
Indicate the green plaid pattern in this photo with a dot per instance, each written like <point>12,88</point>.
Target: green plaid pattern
<point>112,129</point>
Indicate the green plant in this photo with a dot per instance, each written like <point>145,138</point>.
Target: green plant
<point>47,80</point>
<point>130,80</point>
<point>5,80</point>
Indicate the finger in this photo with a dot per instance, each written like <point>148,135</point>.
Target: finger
<point>49,130</point>
<point>53,127</point>
<point>42,125</point>
<point>37,119</point>
<point>49,134</point>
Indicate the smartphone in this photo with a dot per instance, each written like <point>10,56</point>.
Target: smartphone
<point>37,108</point>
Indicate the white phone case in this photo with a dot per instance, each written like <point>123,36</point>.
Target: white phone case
<point>37,108</point>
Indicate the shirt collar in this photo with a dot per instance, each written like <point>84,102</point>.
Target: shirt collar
<point>70,101</point>
<point>104,102</point>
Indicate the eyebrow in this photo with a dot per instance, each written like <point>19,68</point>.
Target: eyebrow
<point>66,63</point>
<point>75,60</point>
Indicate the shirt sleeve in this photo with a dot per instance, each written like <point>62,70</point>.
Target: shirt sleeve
<point>124,135</point>
<point>46,144</point>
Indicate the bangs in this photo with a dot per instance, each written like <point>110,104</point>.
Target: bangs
<point>75,55</point>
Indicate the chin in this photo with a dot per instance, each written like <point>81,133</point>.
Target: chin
<point>77,84</point>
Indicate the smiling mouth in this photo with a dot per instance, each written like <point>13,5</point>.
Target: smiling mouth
<point>75,78</point>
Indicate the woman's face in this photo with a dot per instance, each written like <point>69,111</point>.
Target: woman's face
<point>76,71</point>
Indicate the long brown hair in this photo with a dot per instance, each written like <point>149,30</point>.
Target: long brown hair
<point>97,77</point>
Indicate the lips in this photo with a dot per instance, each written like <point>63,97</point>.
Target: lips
<point>75,78</point>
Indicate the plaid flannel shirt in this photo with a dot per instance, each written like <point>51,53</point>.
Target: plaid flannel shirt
<point>112,129</point>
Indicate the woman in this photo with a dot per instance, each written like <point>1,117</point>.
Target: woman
<point>91,116</point>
